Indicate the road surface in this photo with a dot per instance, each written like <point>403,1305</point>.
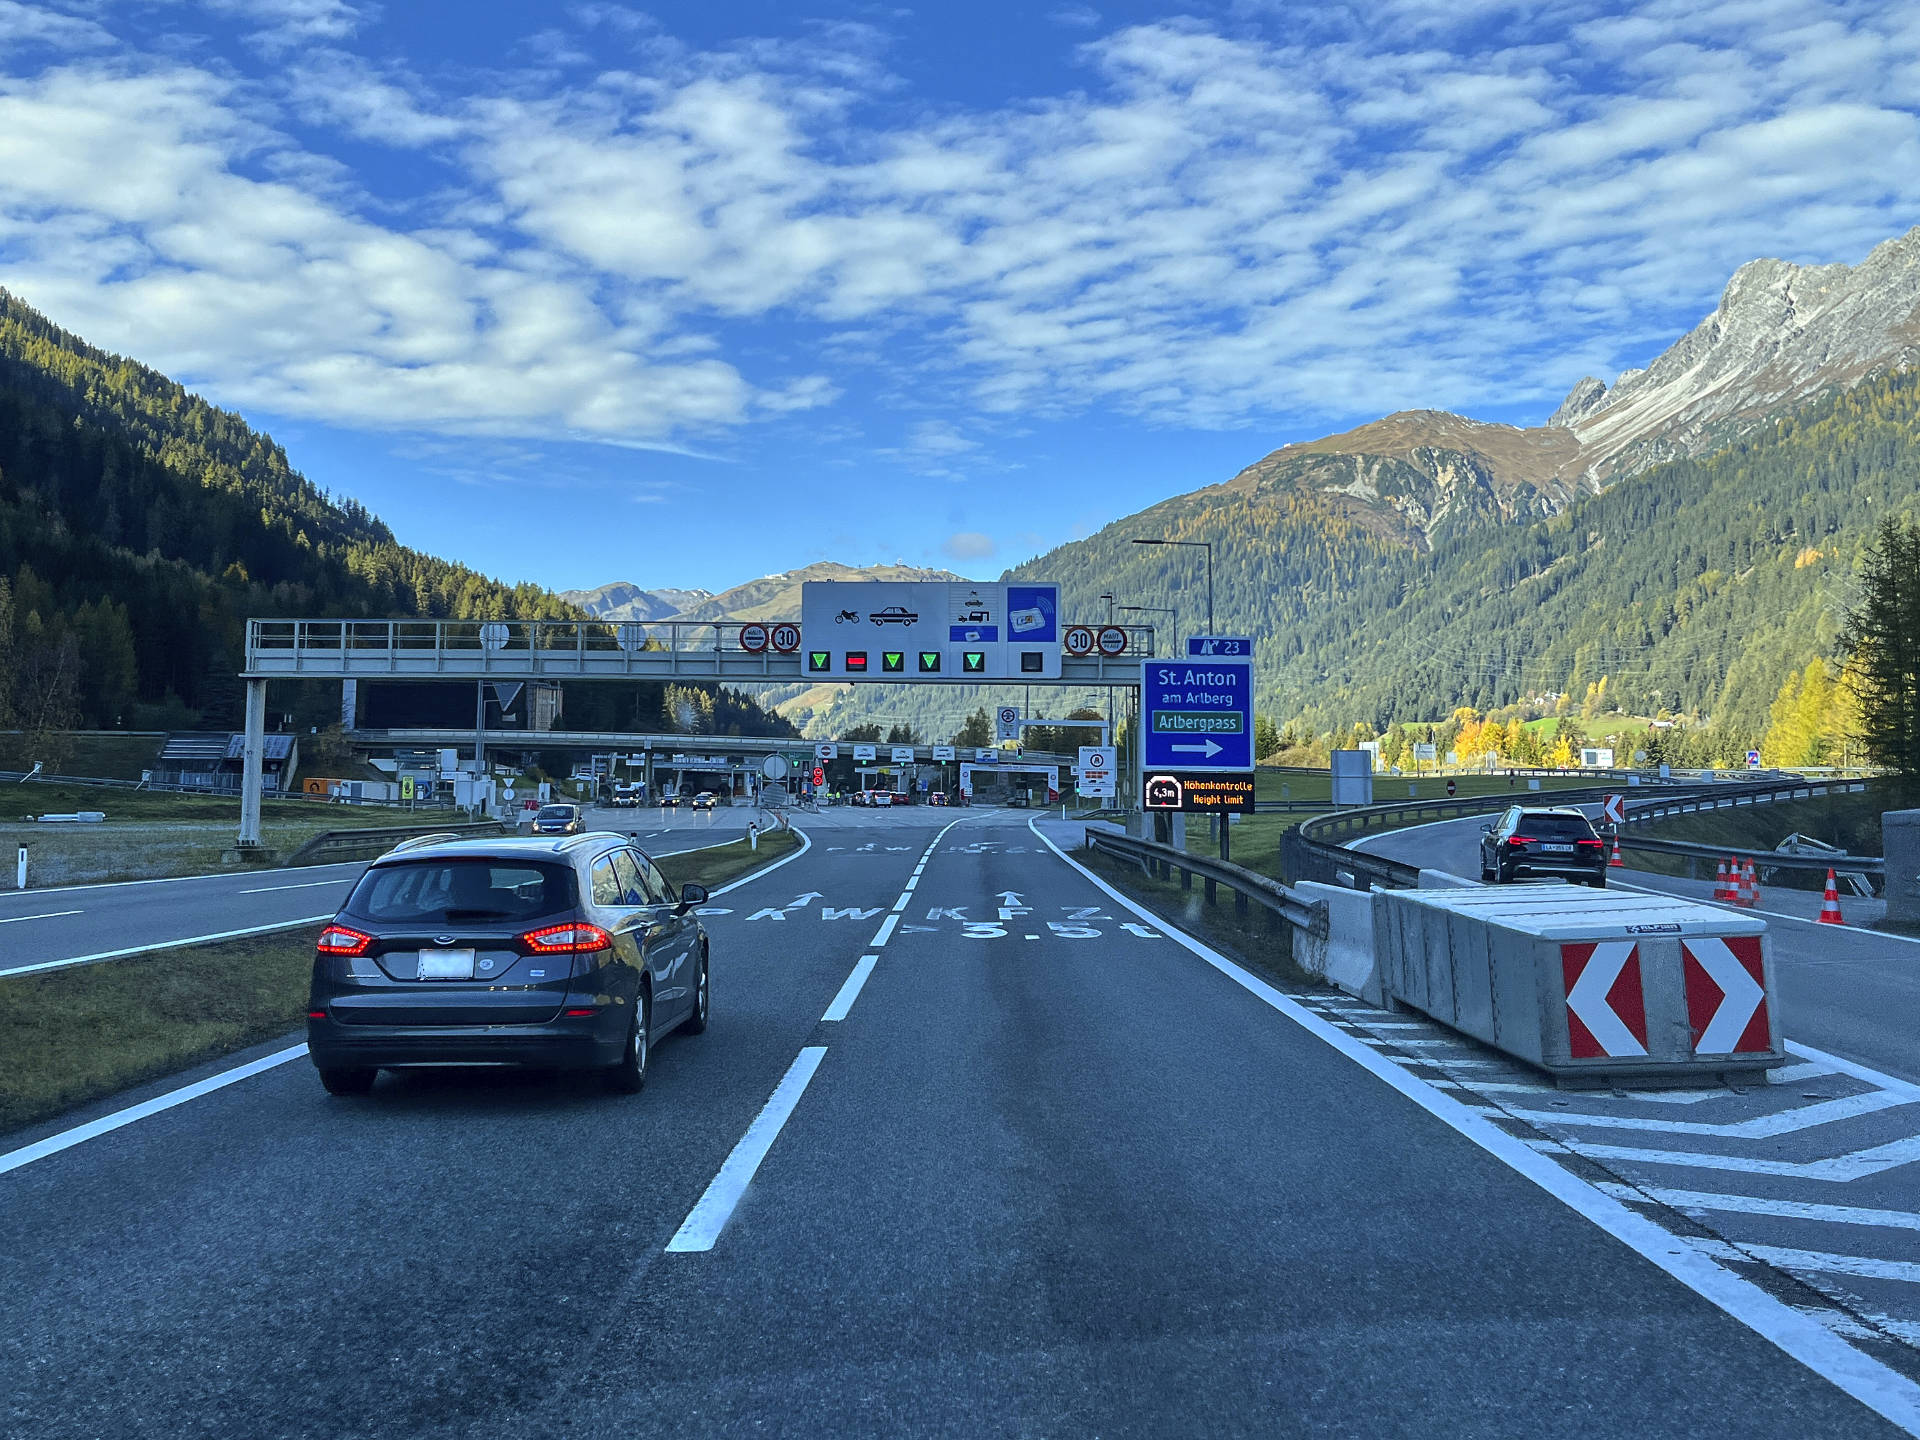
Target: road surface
<point>1046,1172</point>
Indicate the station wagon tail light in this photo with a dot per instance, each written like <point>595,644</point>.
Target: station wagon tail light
<point>1595,843</point>
<point>566,939</point>
<point>1520,840</point>
<point>339,940</point>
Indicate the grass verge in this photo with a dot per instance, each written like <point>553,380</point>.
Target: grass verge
<point>152,835</point>
<point>722,864</point>
<point>1256,943</point>
<point>70,1036</point>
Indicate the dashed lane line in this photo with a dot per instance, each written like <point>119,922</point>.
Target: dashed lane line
<point>850,991</point>
<point>715,1207</point>
<point>50,915</point>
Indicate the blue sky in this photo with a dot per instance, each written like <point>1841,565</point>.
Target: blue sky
<point>693,293</point>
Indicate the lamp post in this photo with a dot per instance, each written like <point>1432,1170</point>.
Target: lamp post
<point>1107,595</point>
<point>1173,647</point>
<point>1206,545</point>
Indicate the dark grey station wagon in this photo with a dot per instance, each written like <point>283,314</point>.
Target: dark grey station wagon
<point>566,953</point>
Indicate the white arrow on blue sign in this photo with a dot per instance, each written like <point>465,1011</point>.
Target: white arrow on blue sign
<point>1196,714</point>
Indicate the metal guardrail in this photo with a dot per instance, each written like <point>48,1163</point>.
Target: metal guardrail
<point>1277,900</point>
<point>1306,855</point>
<point>332,846</point>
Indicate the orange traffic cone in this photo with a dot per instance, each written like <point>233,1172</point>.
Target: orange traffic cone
<point>1750,891</point>
<point>1720,888</point>
<point>1616,863</point>
<point>1739,884</point>
<point>1830,904</point>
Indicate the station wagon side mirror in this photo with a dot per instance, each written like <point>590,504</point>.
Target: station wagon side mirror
<point>1487,828</point>
<point>692,895</point>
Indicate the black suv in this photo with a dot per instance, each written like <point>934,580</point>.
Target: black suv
<point>1559,842</point>
<point>566,954</point>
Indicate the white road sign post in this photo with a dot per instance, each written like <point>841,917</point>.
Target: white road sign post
<point>1006,723</point>
<point>901,755</point>
<point>826,750</point>
<point>1613,809</point>
<point>942,754</point>
<point>864,754</point>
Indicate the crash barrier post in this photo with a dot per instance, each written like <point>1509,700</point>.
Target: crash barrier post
<point>1589,988</point>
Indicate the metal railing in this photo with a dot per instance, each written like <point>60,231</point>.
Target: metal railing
<point>642,649</point>
<point>1306,853</point>
<point>1280,903</point>
<point>333,846</point>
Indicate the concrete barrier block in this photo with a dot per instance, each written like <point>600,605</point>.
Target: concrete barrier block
<point>1345,957</point>
<point>1900,832</point>
<point>1446,880</point>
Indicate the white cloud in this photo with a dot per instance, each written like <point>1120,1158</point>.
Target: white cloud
<point>1383,208</point>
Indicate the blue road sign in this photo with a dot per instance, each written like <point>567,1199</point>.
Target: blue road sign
<point>1196,714</point>
<point>1223,647</point>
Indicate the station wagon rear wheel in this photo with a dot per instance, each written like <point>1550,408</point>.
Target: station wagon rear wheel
<point>629,1073</point>
<point>697,1021</point>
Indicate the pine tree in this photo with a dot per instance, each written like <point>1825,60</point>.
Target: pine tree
<point>1882,640</point>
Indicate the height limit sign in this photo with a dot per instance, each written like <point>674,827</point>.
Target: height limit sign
<point>1196,714</point>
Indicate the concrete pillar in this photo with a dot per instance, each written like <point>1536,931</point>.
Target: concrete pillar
<point>253,762</point>
<point>349,705</point>
<point>1900,834</point>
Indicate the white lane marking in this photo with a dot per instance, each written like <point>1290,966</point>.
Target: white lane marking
<point>305,885</point>
<point>713,1209</point>
<point>850,991</point>
<point>1835,931</point>
<point>1856,1070</point>
<point>1820,1261</point>
<point>806,844</point>
<point>1787,1209</point>
<point>164,945</point>
<point>901,903</point>
<point>1783,1122</point>
<point>50,915</point>
<point>161,880</point>
<point>1855,1165</point>
<point>885,932</point>
<point>1794,1074</point>
<point>1880,1388</point>
<point>106,1124</point>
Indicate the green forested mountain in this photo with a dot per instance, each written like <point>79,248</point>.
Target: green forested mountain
<point>1697,587</point>
<point>140,527</point>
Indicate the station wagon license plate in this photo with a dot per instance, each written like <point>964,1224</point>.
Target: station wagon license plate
<point>1558,849</point>
<point>446,965</point>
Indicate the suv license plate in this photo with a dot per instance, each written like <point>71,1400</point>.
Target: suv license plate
<point>1558,849</point>
<point>446,965</point>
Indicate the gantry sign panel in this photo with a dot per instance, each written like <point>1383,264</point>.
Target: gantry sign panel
<point>928,631</point>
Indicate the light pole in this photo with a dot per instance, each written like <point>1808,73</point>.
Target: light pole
<point>1206,545</point>
<point>1107,595</point>
<point>1173,647</point>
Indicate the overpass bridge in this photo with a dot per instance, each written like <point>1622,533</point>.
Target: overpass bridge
<point>478,650</point>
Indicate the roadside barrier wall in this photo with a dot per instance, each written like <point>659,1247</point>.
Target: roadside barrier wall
<point>1587,987</point>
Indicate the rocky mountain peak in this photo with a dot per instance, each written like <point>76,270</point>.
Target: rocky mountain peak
<point>1780,334</point>
<point>1583,399</point>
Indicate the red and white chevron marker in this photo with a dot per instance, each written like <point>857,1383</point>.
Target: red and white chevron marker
<point>1606,1007</point>
<point>1726,994</point>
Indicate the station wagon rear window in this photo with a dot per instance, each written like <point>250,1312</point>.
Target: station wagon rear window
<point>455,892</point>
<point>1566,827</point>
